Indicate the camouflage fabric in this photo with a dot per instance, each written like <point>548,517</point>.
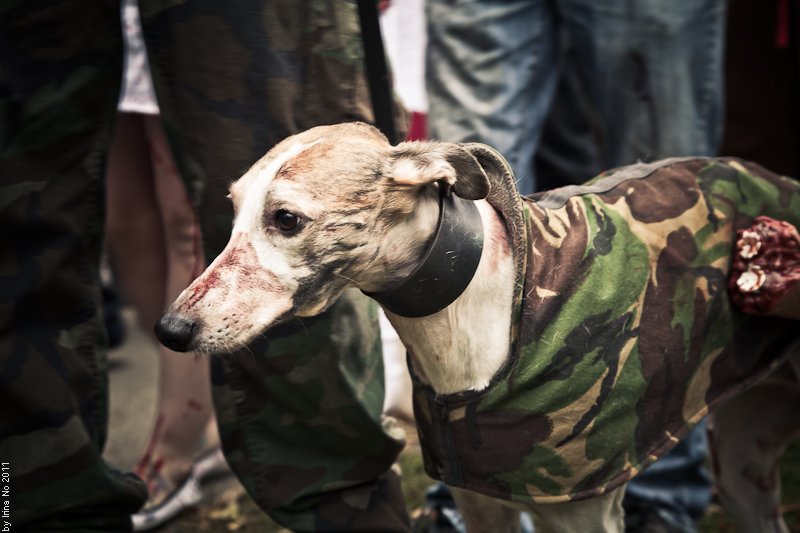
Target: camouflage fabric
<point>272,69</point>
<point>298,419</point>
<point>624,336</point>
<point>298,414</point>
<point>60,72</point>
<point>231,80</point>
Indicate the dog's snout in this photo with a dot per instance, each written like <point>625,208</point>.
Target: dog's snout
<point>175,332</point>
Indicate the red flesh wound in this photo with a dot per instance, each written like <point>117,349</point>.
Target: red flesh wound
<point>778,258</point>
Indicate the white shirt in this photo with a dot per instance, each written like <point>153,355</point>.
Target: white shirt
<point>137,94</point>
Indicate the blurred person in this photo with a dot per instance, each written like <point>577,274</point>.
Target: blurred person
<point>299,412</point>
<point>564,89</point>
<point>153,240</point>
<point>146,256</point>
<point>671,495</point>
<point>651,72</point>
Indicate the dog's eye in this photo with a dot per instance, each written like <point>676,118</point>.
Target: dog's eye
<point>286,221</point>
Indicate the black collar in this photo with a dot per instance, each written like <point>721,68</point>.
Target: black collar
<point>447,267</point>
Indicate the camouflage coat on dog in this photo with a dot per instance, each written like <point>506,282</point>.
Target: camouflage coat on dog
<point>624,336</point>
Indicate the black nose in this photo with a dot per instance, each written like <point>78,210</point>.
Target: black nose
<point>174,332</point>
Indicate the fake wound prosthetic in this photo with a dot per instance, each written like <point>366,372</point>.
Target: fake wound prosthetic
<point>766,267</point>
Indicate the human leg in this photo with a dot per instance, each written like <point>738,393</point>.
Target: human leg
<point>153,242</point>
<point>491,74</point>
<point>568,153</point>
<point>676,488</point>
<point>299,411</point>
<point>186,414</point>
<point>134,236</point>
<point>59,74</point>
<point>748,435</point>
<point>653,73</point>
<point>653,70</point>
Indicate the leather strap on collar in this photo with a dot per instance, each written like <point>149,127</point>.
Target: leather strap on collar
<point>448,266</point>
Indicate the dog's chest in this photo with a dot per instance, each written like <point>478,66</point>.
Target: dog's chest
<point>624,335</point>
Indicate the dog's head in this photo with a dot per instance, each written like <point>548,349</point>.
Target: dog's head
<point>313,217</point>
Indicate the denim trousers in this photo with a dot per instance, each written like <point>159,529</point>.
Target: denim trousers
<point>651,76</point>
<point>651,70</point>
<point>677,487</point>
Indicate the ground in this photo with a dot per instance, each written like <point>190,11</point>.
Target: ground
<point>237,512</point>
<point>226,508</point>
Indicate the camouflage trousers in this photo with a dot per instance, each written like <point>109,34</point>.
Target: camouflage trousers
<point>299,413</point>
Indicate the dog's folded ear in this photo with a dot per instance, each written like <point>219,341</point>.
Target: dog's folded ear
<point>416,164</point>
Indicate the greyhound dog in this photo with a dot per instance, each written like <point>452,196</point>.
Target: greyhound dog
<point>559,344</point>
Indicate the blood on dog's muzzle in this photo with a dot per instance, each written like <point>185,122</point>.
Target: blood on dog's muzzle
<point>175,332</point>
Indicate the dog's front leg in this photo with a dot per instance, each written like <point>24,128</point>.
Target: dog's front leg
<point>603,514</point>
<point>483,514</point>
<point>747,437</point>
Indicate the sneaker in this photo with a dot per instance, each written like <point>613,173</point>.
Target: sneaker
<point>645,519</point>
<point>189,494</point>
<point>186,496</point>
<point>210,465</point>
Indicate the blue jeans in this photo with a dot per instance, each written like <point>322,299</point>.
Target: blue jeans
<point>652,70</point>
<point>677,486</point>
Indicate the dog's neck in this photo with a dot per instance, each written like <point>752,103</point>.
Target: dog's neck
<point>400,247</point>
<point>463,346</point>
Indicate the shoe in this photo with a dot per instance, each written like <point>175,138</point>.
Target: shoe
<point>210,465</point>
<point>186,496</point>
<point>645,519</point>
